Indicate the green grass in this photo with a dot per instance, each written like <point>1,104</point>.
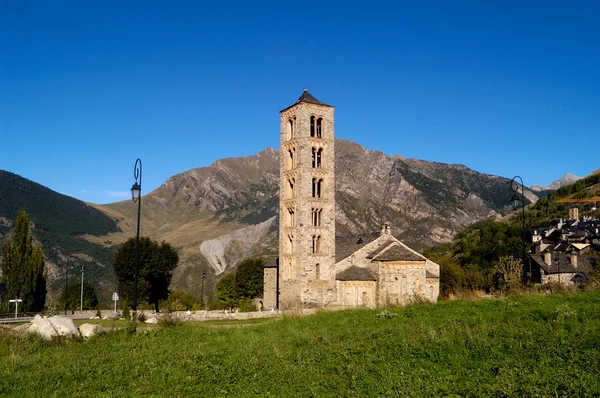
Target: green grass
<point>529,346</point>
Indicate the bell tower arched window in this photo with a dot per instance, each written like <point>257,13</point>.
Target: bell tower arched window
<point>290,129</point>
<point>292,164</point>
<point>317,271</point>
<point>319,153</point>
<point>316,244</point>
<point>312,126</point>
<point>319,127</point>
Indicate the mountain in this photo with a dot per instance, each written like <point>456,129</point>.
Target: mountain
<point>59,223</point>
<point>567,179</point>
<point>220,214</point>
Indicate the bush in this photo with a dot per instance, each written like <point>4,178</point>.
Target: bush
<point>169,320</point>
<point>246,305</point>
<point>126,314</point>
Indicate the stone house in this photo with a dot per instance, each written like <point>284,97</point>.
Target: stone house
<point>315,267</point>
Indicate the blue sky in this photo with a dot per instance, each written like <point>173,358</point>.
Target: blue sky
<point>505,88</point>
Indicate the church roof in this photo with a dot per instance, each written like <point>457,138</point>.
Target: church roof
<point>395,252</point>
<point>345,245</point>
<point>355,273</point>
<point>308,98</point>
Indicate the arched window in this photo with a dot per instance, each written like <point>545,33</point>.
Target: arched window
<point>317,271</point>
<point>316,244</point>
<point>314,187</point>
<point>319,188</point>
<point>292,217</point>
<point>312,126</point>
<point>292,164</point>
<point>291,129</point>
<point>292,192</point>
<point>294,128</point>
<point>319,153</point>
<point>316,217</point>
<point>314,157</point>
<point>290,243</point>
<point>319,127</point>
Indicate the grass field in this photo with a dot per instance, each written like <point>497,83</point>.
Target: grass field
<point>542,346</point>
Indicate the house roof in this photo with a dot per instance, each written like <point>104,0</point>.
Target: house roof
<point>561,263</point>
<point>355,273</point>
<point>308,98</point>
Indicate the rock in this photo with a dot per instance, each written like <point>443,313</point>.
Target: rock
<point>88,330</point>
<point>53,327</point>
<point>152,319</point>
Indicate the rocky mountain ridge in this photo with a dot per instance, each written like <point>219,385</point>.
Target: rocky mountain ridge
<point>565,180</point>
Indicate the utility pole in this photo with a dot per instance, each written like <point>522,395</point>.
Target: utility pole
<point>82,266</point>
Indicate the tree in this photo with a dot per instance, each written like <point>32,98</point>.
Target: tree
<point>226,291</point>
<point>156,265</point>
<point>249,277</point>
<point>90,300</point>
<point>23,267</point>
<point>510,270</point>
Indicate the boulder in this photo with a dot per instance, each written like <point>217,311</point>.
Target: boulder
<point>88,330</point>
<point>152,319</point>
<point>53,327</point>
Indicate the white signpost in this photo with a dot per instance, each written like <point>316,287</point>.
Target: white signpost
<point>115,299</point>
<point>16,301</point>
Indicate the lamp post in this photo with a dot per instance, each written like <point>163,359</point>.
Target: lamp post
<point>202,290</point>
<point>515,201</point>
<point>136,195</point>
<point>67,285</point>
<point>82,266</point>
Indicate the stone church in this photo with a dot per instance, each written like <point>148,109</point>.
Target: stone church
<point>316,268</point>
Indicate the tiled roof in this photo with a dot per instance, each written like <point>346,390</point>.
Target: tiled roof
<point>347,244</point>
<point>308,98</point>
<point>397,252</point>
<point>560,263</point>
<point>355,273</point>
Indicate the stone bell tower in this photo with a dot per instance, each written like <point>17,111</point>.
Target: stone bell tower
<point>307,205</point>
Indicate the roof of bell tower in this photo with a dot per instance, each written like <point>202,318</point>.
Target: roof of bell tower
<point>308,98</point>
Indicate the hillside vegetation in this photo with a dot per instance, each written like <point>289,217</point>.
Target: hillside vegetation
<point>468,262</point>
<point>530,346</point>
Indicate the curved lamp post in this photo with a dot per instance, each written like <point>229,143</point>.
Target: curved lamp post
<point>136,195</point>
<point>202,290</point>
<point>516,201</point>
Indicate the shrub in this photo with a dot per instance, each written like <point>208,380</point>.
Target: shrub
<point>169,320</point>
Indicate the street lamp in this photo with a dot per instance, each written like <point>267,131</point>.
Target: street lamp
<point>136,195</point>
<point>202,290</point>
<point>82,266</point>
<point>515,201</point>
<point>67,285</point>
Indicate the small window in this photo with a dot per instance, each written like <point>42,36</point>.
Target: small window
<point>291,153</point>
<point>316,244</point>
<point>319,127</point>
<point>312,126</point>
<point>318,160</point>
<point>291,129</point>
<point>317,271</point>
<point>316,217</point>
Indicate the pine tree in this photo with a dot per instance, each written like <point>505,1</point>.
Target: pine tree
<point>23,267</point>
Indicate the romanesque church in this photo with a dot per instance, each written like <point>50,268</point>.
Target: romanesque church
<point>316,268</point>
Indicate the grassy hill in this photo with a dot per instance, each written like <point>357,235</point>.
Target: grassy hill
<point>529,346</point>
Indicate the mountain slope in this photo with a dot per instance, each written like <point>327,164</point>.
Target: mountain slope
<point>58,223</point>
